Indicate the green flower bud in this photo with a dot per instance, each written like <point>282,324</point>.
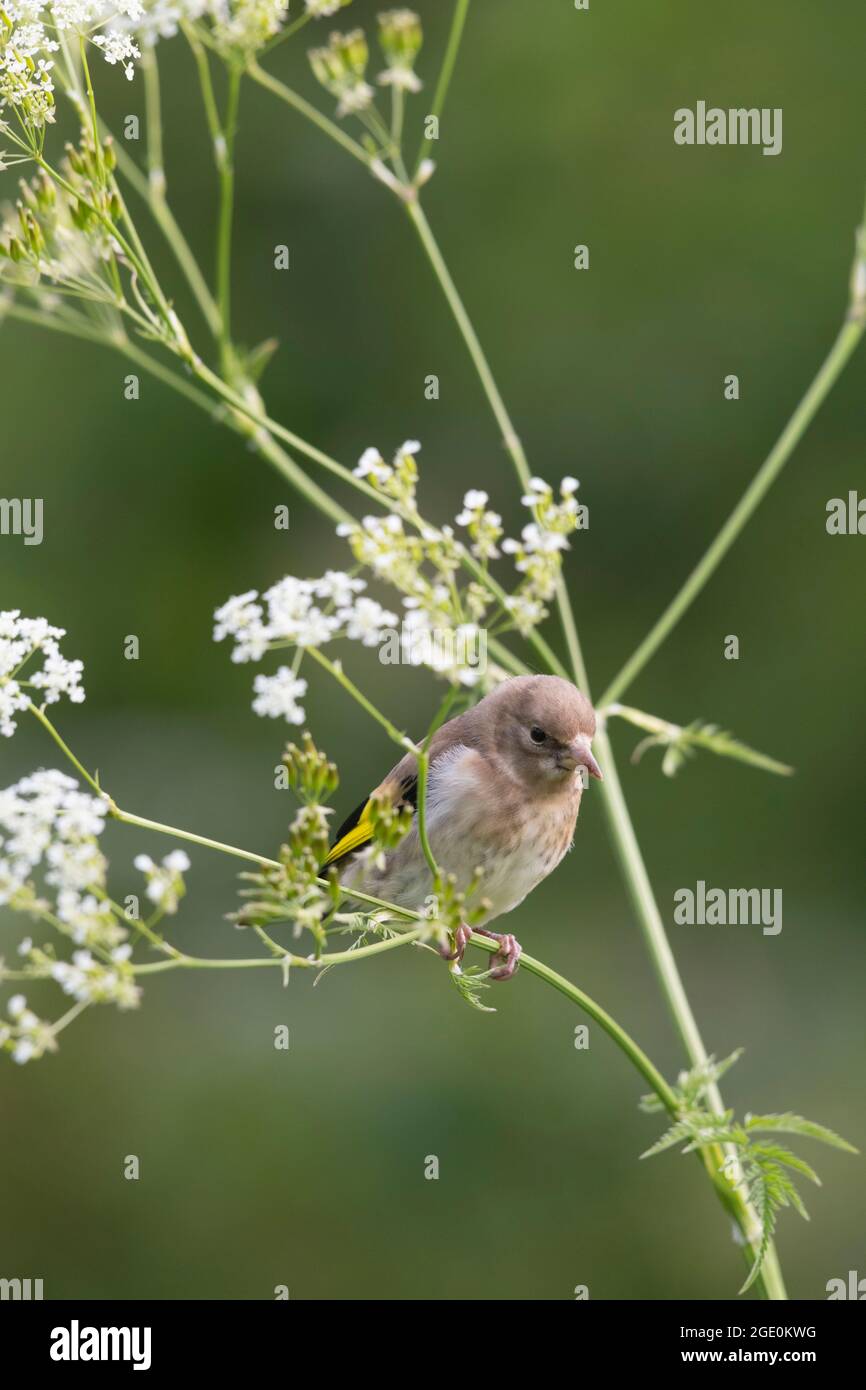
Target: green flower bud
<point>340,67</point>
<point>400,37</point>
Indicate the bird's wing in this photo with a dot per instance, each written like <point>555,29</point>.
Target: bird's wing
<point>401,785</point>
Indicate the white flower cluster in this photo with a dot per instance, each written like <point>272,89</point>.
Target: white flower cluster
<point>20,639</point>
<point>537,555</point>
<point>93,982</point>
<point>30,1036</point>
<point>301,613</point>
<point>165,885</point>
<point>28,30</point>
<point>400,557</point>
<point>46,820</point>
<point>445,624</point>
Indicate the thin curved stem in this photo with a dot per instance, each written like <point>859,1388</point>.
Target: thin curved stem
<point>377,948</point>
<point>165,219</point>
<point>509,436</point>
<point>226,165</point>
<point>455,34</point>
<point>335,669</point>
<point>330,128</point>
<point>843,347</point>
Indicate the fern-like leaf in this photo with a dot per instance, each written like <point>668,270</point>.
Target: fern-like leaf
<point>796,1124</point>
<point>469,984</point>
<point>762,1200</point>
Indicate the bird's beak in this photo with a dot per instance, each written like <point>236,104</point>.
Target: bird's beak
<point>579,754</point>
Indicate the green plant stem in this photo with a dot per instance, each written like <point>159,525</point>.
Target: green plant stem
<point>226,165</point>
<point>77,329</point>
<point>153,117</point>
<point>335,669</point>
<point>619,821</point>
<point>168,225</point>
<point>330,128</point>
<point>205,82</point>
<point>264,422</point>
<point>458,20</point>
<point>843,347</point>
<point>509,435</point>
<point>300,962</point>
<point>91,100</point>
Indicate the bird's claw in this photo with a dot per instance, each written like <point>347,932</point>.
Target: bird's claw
<point>508,956</point>
<point>503,963</point>
<point>459,942</point>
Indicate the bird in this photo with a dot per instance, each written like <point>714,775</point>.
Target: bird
<point>504,786</point>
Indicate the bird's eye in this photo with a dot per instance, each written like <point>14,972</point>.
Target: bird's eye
<point>537,735</point>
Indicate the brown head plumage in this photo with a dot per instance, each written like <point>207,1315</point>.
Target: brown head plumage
<point>536,728</point>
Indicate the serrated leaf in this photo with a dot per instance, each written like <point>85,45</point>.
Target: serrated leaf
<point>762,1200</point>
<point>469,983</point>
<point>675,1135</point>
<point>681,741</point>
<point>723,744</point>
<point>796,1124</point>
<point>779,1155</point>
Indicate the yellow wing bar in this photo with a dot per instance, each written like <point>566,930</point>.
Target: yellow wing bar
<point>357,835</point>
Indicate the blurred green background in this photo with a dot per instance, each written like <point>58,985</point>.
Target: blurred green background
<point>306,1168</point>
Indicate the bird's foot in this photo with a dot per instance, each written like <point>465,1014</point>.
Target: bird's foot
<point>507,958</point>
<point>503,963</point>
<point>459,943</point>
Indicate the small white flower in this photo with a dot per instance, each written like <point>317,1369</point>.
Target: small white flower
<point>16,1006</point>
<point>339,587</point>
<point>372,465</point>
<point>177,861</point>
<point>240,617</point>
<point>277,696</point>
<point>474,500</point>
<point>366,621</point>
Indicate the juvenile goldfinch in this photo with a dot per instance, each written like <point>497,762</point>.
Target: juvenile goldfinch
<point>503,793</point>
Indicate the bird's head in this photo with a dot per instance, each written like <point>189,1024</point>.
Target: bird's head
<point>542,728</point>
